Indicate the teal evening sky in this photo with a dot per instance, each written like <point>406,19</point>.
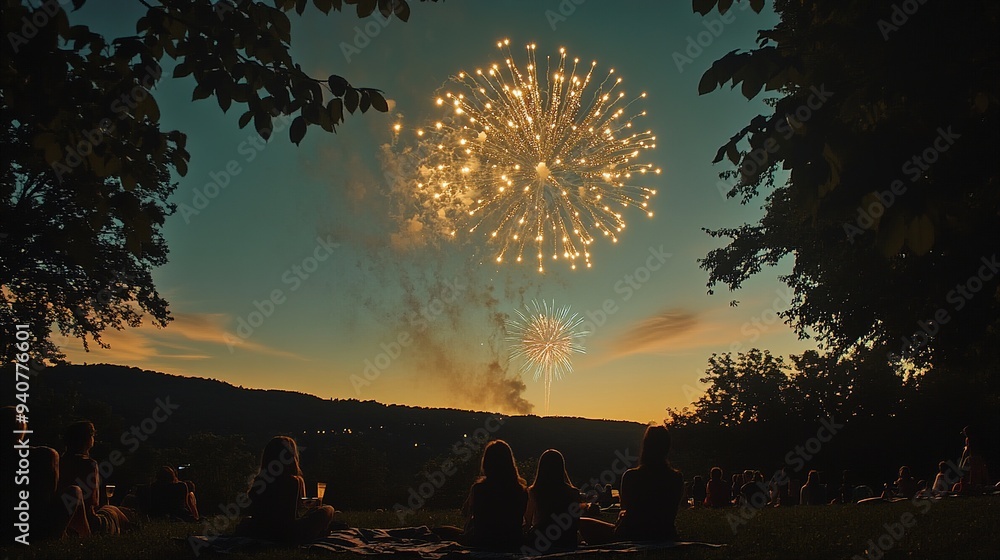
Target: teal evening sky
<point>378,285</point>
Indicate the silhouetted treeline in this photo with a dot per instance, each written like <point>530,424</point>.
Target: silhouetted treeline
<point>758,409</point>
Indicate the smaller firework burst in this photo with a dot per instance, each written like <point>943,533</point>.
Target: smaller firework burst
<point>546,337</point>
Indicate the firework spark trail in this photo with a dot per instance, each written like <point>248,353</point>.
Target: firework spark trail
<point>546,338</point>
<point>530,163</point>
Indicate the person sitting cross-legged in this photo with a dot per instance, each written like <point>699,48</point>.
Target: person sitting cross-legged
<point>554,506</point>
<point>650,493</point>
<point>275,496</point>
<point>77,469</point>
<point>812,493</point>
<point>496,505</point>
<point>906,485</point>
<point>172,498</point>
<point>716,491</point>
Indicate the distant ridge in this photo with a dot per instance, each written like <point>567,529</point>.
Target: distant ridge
<point>209,405</point>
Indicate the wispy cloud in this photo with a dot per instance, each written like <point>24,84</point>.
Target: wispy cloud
<point>189,337</point>
<point>656,333</point>
<point>675,331</point>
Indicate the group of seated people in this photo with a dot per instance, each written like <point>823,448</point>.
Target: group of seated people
<point>65,490</point>
<point>750,487</point>
<point>602,497</point>
<point>68,496</point>
<point>165,497</point>
<point>503,512</point>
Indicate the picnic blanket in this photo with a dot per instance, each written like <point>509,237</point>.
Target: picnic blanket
<point>421,543</point>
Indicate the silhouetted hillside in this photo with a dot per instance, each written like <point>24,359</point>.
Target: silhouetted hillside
<point>344,440</point>
<point>222,408</point>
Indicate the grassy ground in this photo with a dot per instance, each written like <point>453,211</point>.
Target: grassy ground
<point>967,528</point>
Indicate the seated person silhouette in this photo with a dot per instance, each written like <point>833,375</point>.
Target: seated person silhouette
<point>607,496</point>
<point>754,492</point>
<point>599,495</point>
<point>50,515</point>
<point>172,498</point>
<point>970,438</point>
<point>906,485</point>
<point>845,494</point>
<point>734,495</point>
<point>554,508</point>
<point>650,493</point>
<point>77,468</point>
<point>781,489</point>
<point>496,504</point>
<point>851,493</point>
<point>698,493</point>
<point>812,492</point>
<point>887,496</point>
<point>716,491</point>
<point>941,487</point>
<point>976,477</point>
<point>863,492</point>
<point>275,498</point>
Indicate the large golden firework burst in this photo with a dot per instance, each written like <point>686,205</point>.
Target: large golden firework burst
<point>545,163</point>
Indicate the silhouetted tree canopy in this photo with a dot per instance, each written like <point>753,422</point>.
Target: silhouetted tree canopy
<point>755,387</point>
<point>87,171</point>
<point>752,387</point>
<point>885,120</point>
